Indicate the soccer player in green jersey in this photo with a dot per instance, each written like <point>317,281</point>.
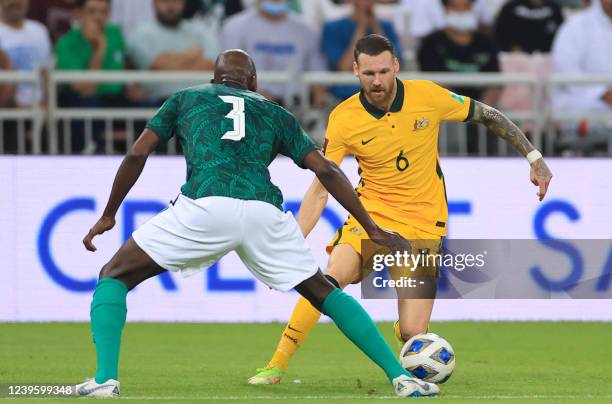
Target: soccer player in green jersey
<point>229,135</point>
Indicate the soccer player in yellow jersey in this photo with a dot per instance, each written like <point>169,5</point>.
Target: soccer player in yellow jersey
<point>391,127</point>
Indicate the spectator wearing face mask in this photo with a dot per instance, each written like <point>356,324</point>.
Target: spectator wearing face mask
<point>277,40</point>
<point>583,46</point>
<point>460,48</point>
<point>528,25</point>
<point>429,16</point>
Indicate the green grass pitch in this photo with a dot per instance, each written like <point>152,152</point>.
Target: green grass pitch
<point>521,362</point>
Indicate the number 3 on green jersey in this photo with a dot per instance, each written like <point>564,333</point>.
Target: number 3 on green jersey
<point>236,115</point>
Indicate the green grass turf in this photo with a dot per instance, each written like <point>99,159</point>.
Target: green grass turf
<point>503,362</point>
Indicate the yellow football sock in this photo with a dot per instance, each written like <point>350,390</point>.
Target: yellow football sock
<point>303,320</point>
<point>398,332</point>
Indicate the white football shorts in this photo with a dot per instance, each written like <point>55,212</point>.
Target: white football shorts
<point>191,235</point>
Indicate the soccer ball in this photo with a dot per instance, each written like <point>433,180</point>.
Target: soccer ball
<point>429,357</point>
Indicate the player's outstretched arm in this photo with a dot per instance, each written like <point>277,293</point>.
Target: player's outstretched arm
<point>504,128</point>
<point>126,177</point>
<point>334,180</point>
<point>312,207</point>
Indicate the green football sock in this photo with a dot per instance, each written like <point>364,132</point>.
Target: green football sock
<point>358,326</point>
<point>108,312</point>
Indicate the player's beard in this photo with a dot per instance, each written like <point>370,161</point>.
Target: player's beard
<point>171,22</point>
<point>379,95</point>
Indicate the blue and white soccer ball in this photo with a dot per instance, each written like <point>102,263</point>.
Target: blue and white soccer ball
<point>428,357</point>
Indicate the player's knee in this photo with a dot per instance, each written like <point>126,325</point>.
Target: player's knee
<point>343,278</point>
<point>316,289</point>
<point>111,270</point>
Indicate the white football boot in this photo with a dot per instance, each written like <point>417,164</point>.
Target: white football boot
<point>89,388</point>
<point>408,387</point>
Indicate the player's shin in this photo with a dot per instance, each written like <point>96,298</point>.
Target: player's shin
<point>108,313</point>
<point>359,327</point>
<point>303,320</point>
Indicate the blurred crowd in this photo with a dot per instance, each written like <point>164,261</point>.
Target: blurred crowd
<point>459,36</point>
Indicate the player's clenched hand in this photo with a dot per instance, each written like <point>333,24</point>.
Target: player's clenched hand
<point>540,176</point>
<point>390,239</point>
<point>102,225</point>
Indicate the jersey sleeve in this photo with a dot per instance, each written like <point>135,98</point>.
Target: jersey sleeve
<point>294,142</point>
<point>164,121</point>
<point>451,106</point>
<point>334,147</point>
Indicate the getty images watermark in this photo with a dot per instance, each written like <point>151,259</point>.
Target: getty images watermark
<point>412,262</point>
<point>411,273</point>
<point>488,269</point>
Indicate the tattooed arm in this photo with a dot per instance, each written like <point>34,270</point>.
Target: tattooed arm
<point>504,128</point>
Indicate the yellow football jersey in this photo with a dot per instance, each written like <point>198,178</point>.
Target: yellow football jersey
<point>397,151</point>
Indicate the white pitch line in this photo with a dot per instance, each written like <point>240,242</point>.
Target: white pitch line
<point>365,397</point>
<point>345,397</point>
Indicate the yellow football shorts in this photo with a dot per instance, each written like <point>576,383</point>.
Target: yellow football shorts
<point>422,242</point>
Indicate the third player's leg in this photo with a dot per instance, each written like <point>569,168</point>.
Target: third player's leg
<point>414,316</point>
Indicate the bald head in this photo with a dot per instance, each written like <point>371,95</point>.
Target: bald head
<point>235,66</point>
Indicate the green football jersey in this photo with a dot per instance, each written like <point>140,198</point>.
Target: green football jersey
<point>229,137</point>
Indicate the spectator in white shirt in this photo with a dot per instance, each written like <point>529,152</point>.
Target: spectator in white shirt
<point>584,46</point>
<point>130,14</point>
<point>429,16</point>
<point>171,43</point>
<point>277,40</point>
<point>28,47</point>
